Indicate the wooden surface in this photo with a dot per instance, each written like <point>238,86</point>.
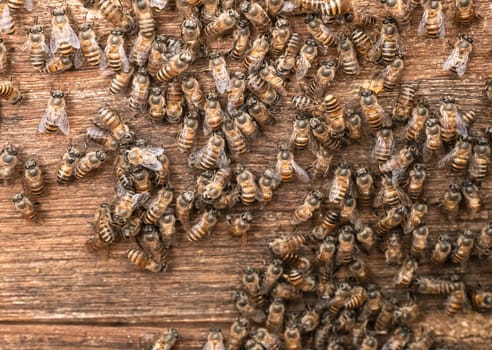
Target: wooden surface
<point>56,295</point>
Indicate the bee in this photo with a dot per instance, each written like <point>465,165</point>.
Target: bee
<point>144,261</point>
<point>357,298</point>
<point>145,19</point>
<point>404,104</point>
<point>307,54</point>
<point>187,135</point>
<point>286,167</point>
<point>167,226</point>
<point>389,40</point>
<point>309,321</point>
<point>471,197</point>
<point>392,74</point>
<point>365,46</point>
<point>141,179</point>
<point>451,201</point>
<point>374,302</point>
<point>364,183</point>
<point>481,299</point>
<point>148,157</point>
<point>464,246</point>
<point>113,121</point>
<point>217,66</point>
<point>416,124</point>
<point>270,75</point>
<point>465,13</point>
<point>235,139</point>
<point>33,177</point>
<point>125,205</point>
<point>140,90</point>
<point>385,318</point>
<point>360,271</point>
<point>432,23</point>
<point>7,24</point>
<point>175,66</point>
<point>346,246</point>
<point>63,38</point>
<point>286,245</point>
<point>255,55</point>
<point>305,211</point>
<point>325,253</point>
<point>236,97</point>
<point>325,136</point>
<point>25,207</point>
<point>263,90</point>
<point>55,116</point>
<point>240,226</point>
<point>156,55</point>
<point>322,163</point>
<point>203,226</point>
<point>348,211</point>
<point>17,4</point>
<point>370,342</point>
<point>459,155</point>
<point>371,109</point>
<point>399,9</point>
<point>407,272</point>
<point>300,132</point>
<point>249,191</point>
<point>416,181</point>
<point>157,104</point>
<point>256,14</point>
<point>483,243</point>
<point>241,37</point>
<point>192,91</point>
<point>342,294</point>
<point>140,51</point>
<point>401,335</point>
<point>157,206</point>
<point>272,274</point>
<point>251,344</point>
<point>10,92</point>
<point>458,59</point>
<point>322,34</point>
<point>121,80</point>
<point>415,217</point>
<point>267,183</point>
<point>114,14</point>
<point>246,308</point>
<point>280,36</point>
<point>392,219</point>
<point>215,185</point>
<point>247,125</point>
<point>442,250</point>
<point>428,285</point>
<point>224,22</point>
<point>238,333</point>
<point>115,52</point>
<point>301,281</point>
<point>393,253</point>
<point>433,141</point>
<point>211,155</point>
<point>175,102</point>
<point>166,341</point>
<point>184,205</point>
<point>191,32</point>
<point>89,162</point>
<point>292,337</point>
<point>365,237</point>
<point>57,64</point>
<point>323,78</point>
<point>341,184</point>
<point>105,233</point>
<point>36,46</point>
<point>334,114</point>
<point>330,221</point>
<point>259,111</point>
<point>348,56</point>
<point>383,146</point>
<point>214,116</point>
<point>90,48</point>
<point>67,166</point>
<point>456,300</point>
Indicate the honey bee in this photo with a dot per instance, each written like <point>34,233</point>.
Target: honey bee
<point>280,36</point>
<point>192,91</point>
<point>323,78</point>
<point>433,141</point>
<point>25,207</point>
<point>374,302</point>
<point>383,146</point>
<point>259,111</point>
<point>217,66</point>
<point>157,104</point>
<point>307,54</point>
<point>175,102</point>
<point>357,298</point>
<point>432,23</point>
<point>156,56</point>
<point>365,187</point>
<point>125,205</point>
<point>90,48</point>
<point>256,14</point>
<point>57,64</point>
<point>346,246</point>
<point>63,38</point>
<point>365,46</point>
<point>458,59</point>
<point>348,210</point>
<point>249,191</point>
<point>365,237</point>
<point>103,226</point>
<point>145,19</point>
<point>17,4</point>
<point>442,250</point>
<point>247,125</point>
<point>392,219</point>
<point>464,246</point>
<point>176,65</point>
<point>33,177</point>
<point>113,121</point>
<point>203,226</point>
<point>416,181</point>
<point>214,186</point>
<point>167,340</point>
<point>270,75</point>
<point>325,136</point>
<point>272,274</point>
<point>157,206</point>
<point>241,37</point>
<point>325,253</point>
<point>246,308</point>
<point>321,165</point>
<point>393,253</point>
<point>67,166</point>
<point>341,184</point>
<point>392,74</point>
<point>459,155</point>
<point>191,32</point>
<point>114,14</point>
<point>415,217</point>
<point>456,300</point>
<point>115,52</point>
<point>224,22</point>
<point>238,333</point>
<point>407,272</point>
<point>55,116</point>
<point>334,114</point>
<point>404,104</point>
<point>140,51</point>
<point>471,197</point>
<point>89,162</point>
<point>401,335</point>
<point>10,92</point>
<point>481,299</point>
<point>300,132</point>
<point>389,40</point>
<point>348,56</point>
<point>286,167</point>
<point>184,205</point>
<point>36,46</point>
<point>292,337</point>
<point>301,280</point>
<point>483,243</point>
<point>286,245</point>
<point>416,124</point>
<point>211,155</point>
<point>371,109</point>
<point>120,81</point>
<point>7,24</point>
<point>370,342</point>
<point>360,271</point>
<point>465,13</point>
<point>148,157</point>
<point>167,226</point>
<point>214,116</point>
<point>320,33</point>
<point>428,285</point>
<point>240,226</point>
<point>451,201</point>
<point>385,318</point>
<point>140,90</point>
<point>144,261</point>
<point>330,221</point>
<point>267,183</point>
<point>305,211</point>
<point>398,9</point>
<point>236,141</point>
<point>255,55</point>
<point>236,97</point>
<point>141,179</point>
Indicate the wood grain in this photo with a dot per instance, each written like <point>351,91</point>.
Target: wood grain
<point>56,295</point>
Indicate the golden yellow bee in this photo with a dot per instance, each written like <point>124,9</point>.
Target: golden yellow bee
<point>286,62</point>
<point>36,46</point>
<point>144,261</point>
<point>375,115</point>
<point>404,104</point>
<point>365,237</point>
<point>192,91</point>
<point>10,92</point>
<point>433,141</point>
<point>241,37</point>
<point>55,117</point>
<point>259,111</point>
<point>287,167</point>
<point>211,155</point>
<point>389,40</point>
<point>89,162</point>
<point>113,12</point>
<point>63,38</point>
<point>428,285</point>
<point>365,187</point>
<point>267,183</point>
<point>307,55</point>
<point>323,78</point>
<point>144,16</point>
<point>341,184</point>
<point>105,233</point>
<point>191,32</point>
<point>416,124</point>
<point>321,165</point>
<point>398,9</point>
<point>383,146</point>
<point>276,315</point>
<point>7,24</point>
<point>407,272</point>
<point>157,54</point>
<point>113,121</point>
<point>115,52</point>
<point>392,219</point>
<point>305,211</point>
<point>459,156</point>
<point>483,243</point>
<point>346,246</point>
<point>140,49</point>
<point>157,104</point>
<point>360,271</point>
<point>471,197</point>
<point>442,250</point>
<point>481,299</point>
<point>140,90</point>
<point>365,46</point>
<point>121,80</point>
<point>458,59</point>
<point>256,14</point>
<point>321,33</point>
<point>480,159</point>
<point>464,246</point>
<point>203,226</point>
<point>255,55</point>
<point>398,163</point>
<point>224,22</point>
<point>33,178</point>
<point>348,56</point>
<point>25,207</point>
<point>90,48</point>
<point>238,333</point>
<point>392,74</point>
<point>184,205</point>
<point>175,102</point>
<point>280,36</point>
<point>432,23</point>
<point>168,338</point>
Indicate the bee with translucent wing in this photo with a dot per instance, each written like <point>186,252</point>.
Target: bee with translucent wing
<point>55,116</point>
<point>220,74</point>
<point>158,5</point>
<point>17,4</point>
<point>7,24</point>
<point>458,59</point>
<point>63,38</point>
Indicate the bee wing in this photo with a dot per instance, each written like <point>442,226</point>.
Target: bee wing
<point>28,5</point>
<point>103,64</point>
<point>211,346</point>
<point>139,199</point>
<point>55,40</point>
<point>451,59</point>
<point>221,77</point>
<point>302,66</point>
<point>149,158</point>
<point>461,67</point>
<point>334,189</point>
<point>446,159</point>
<point>27,45</point>
<point>62,122</point>
<point>421,28</point>
<point>44,121</point>
<point>300,172</point>
<point>125,64</point>
<point>461,127</point>
<point>71,36</point>
<point>78,58</point>
<point>5,19</point>
<point>160,4</point>
<point>442,25</point>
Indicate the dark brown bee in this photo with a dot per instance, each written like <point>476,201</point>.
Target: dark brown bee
<point>442,250</point>
<point>175,66</point>
<point>322,34</point>
<point>471,197</point>
<point>480,159</point>
<point>259,111</point>
<point>360,271</point>
<point>121,80</point>
<point>89,162</point>
<point>464,246</point>
<point>144,261</point>
<point>267,183</point>
<point>63,39</point>
<point>404,104</point>
<point>406,274</point>
<point>432,23</point>
<point>240,226</point>
<point>392,219</point>
<point>184,205</point>
<point>341,184</point>
<point>248,187</point>
<point>401,335</point>
<point>144,16</point>
<point>481,299</point>
<point>457,299</point>
<point>392,74</point>
<point>330,221</point>
<point>280,36</point>
<point>428,285</point>
<point>157,205</point>
<point>433,141</point>
<point>166,340</point>
<point>9,158</point>
<point>292,337</point>
<point>221,24</point>
<point>114,14</point>
<point>25,207</point>
<point>325,253</point>
<point>346,246</point>
<point>33,178</point>
<point>67,166</point>
<point>36,46</point>
<point>286,167</point>
<point>115,52</point>
<point>90,48</point>
<point>416,124</point>
<point>192,91</point>
<point>483,243</point>
<point>389,40</point>
<point>393,253</point>
<point>365,237</point>
<point>451,201</point>
<point>385,318</point>
<point>420,236</point>
<point>286,245</point>
<point>372,110</point>
<point>246,308</point>
<point>241,37</point>
<point>256,14</point>
<point>415,217</point>
<point>305,211</point>
<point>458,59</point>
<point>272,274</point>
<point>236,97</point>
<point>383,146</point>
<point>238,333</point>
<point>175,102</point>
<point>416,179</point>
<point>204,226</point>
<point>323,78</point>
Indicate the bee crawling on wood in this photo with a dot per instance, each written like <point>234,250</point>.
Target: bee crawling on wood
<point>25,207</point>
<point>458,59</point>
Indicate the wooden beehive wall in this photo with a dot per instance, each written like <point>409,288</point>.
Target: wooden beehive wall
<point>56,295</point>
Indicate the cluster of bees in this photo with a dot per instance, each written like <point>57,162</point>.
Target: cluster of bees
<point>266,53</point>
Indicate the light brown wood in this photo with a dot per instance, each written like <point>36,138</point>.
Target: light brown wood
<point>56,295</point>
